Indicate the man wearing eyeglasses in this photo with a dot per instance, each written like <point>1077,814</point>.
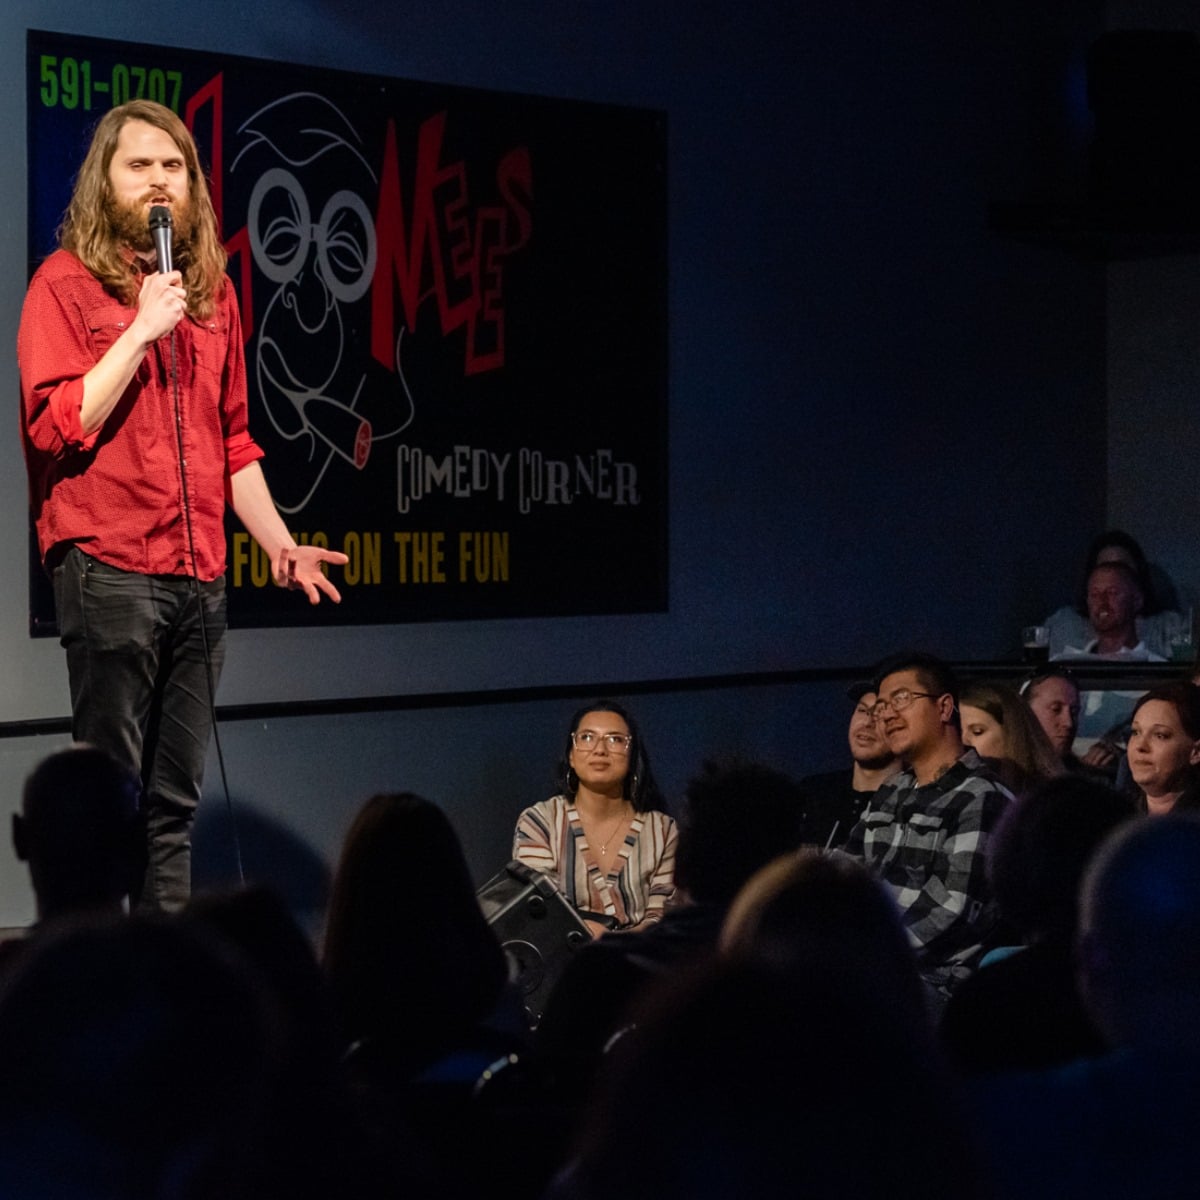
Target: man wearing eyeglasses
<point>926,831</point>
<point>834,802</point>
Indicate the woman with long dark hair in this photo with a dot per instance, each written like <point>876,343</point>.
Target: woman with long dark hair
<point>414,969</point>
<point>604,839</point>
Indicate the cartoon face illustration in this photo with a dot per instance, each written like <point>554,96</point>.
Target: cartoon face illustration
<point>315,245</point>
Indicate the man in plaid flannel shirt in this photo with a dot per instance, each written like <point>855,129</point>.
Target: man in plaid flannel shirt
<point>926,831</point>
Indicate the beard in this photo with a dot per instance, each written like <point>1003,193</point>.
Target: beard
<point>130,225</point>
<point>875,761</point>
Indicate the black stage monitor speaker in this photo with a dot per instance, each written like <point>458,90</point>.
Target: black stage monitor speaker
<point>538,929</point>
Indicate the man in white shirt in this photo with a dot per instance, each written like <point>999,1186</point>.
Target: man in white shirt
<point>1114,600</point>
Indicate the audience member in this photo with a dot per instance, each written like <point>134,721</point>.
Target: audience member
<point>80,833</point>
<point>420,988</point>
<point>604,840</point>
<point>810,911</point>
<point>414,971</point>
<point>1000,727</point>
<point>257,923</point>
<point>316,1142</point>
<point>1108,756</point>
<point>833,802</point>
<point>1114,603</point>
<point>742,1081</point>
<point>1155,623</point>
<point>1164,748</point>
<point>1053,697</point>
<point>138,1061</point>
<point>737,817</point>
<point>1023,1010</point>
<point>926,831</point>
<point>1122,1124</point>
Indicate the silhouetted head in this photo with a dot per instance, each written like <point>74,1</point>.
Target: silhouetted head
<point>80,832</point>
<point>762,1082</point>
<point>738,816</point>
<point>1041,846</point>
<point>1139,936</point>
<point>408,952</point>
<point>811,912</point>
<point>258,925</point>
<point>138,1059</point>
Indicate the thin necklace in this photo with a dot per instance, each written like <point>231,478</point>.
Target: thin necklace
<point>604,844</point>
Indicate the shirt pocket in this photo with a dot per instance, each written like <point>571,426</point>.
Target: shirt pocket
<point>879,829</point>
<point>924,838</point>
<point>210,337</point>
<point>106,323</point>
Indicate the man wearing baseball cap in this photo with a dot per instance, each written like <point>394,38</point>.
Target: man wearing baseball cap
<point>836,800</point>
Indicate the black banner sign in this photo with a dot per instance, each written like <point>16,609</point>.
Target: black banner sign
<point>454,304</point>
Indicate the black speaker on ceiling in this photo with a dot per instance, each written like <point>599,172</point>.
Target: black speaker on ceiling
<point>537,928</point>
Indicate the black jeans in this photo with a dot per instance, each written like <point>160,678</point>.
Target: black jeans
<point>140,690</point>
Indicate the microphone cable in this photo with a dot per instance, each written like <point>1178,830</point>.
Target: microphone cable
<point>206,648</point>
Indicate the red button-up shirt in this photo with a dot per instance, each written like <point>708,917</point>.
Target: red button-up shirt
<point>117,493</point>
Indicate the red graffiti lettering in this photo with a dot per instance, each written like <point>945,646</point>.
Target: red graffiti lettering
<point>437,247</point>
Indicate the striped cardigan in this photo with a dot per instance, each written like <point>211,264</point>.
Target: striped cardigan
<point>550,839</point>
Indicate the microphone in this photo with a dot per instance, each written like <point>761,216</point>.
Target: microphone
<point>160,230</point>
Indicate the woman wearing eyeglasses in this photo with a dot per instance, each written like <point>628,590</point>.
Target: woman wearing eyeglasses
<point>604,840</point>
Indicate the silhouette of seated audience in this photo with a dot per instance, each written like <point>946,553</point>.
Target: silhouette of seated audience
<point>138,1058</point>
<point>746,1081</point>
<point>769,1013</point>
<point>1124,1123</point>
<point>1023,1010</point>
<point>810,911</point>
<point>80,833</point>
<point>1150,623</point>
<point>316,1142</point>
<point>419,982</point>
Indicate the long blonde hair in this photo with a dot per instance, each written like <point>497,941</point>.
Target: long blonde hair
<point>88,234</point>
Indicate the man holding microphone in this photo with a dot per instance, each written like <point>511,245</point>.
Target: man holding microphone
<point>134,426</point>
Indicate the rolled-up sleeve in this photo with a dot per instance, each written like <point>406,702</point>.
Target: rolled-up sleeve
<point>54,352</point>
<point>240,448</point>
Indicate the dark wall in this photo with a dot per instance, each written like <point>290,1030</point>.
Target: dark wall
<point>873,394</point>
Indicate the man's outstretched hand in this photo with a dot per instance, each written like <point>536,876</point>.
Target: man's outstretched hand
<point>300,567</point>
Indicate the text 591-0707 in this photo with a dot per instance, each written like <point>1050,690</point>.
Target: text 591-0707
<point>74,83</point>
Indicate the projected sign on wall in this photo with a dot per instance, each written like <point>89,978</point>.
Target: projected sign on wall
<point>454,304</point>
